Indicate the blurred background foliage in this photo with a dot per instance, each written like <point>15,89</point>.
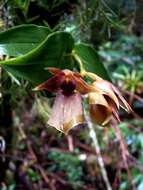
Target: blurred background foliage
<point>40,157</point>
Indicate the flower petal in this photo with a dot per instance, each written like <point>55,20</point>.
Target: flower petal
<point>93,76</point>
<point>83,87</point>
<point>54,70</point>
<point>114,109</point>
<point>99,108</point>
<point>106,89</point>
<point>122,101</point>
<point>53,84</point>
<point>67,112</point>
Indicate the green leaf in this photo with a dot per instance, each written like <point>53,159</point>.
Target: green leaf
<point>34,49</point>
<point>54,51</point>
<point>90,60</point>
<point>21,39</point>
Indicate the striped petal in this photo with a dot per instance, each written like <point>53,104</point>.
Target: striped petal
<point>123,103</point>
<point>107,90</point>
<point>51,85</point>
<point>67,112</point>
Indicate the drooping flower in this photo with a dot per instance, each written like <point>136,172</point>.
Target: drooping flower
<point>106,102</point>
<point>67,112</point>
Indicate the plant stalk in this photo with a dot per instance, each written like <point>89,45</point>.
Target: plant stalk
<point>93,136</point>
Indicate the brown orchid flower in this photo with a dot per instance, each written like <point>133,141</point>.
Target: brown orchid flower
<point>67,111</point>
<point>104,104</point>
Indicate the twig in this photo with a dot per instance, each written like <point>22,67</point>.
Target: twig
<point>35,159</point>
<point>86,148</point>
<point>94,139</point>
<point>70,143</point>
<point>124,151</point>
<point>137,116</point>
<point>135,96</point>
<point>62,181</point>
<point>5,14</point>
<point>65,182</point>
<point>134,162</point>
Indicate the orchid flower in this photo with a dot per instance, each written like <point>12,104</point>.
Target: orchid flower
<point>106,102</point>
<point>67,112</point>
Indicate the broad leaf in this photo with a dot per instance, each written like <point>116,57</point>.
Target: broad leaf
<point>34,49</point>
<point>54,51</point>
<point>90,60</point>
<point>21,39</point>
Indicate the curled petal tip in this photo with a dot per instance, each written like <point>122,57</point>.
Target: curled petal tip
<point>35,89</point>
<point>53,70</point>
<point>106,121</point>
<point>93,76</point>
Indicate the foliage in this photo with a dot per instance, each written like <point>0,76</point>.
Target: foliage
<point>53,50</point>
<point>38,12</point>
<point>124,58</point>
<point>68,163</point>
<point>98,21</point>
<point>133,139</point>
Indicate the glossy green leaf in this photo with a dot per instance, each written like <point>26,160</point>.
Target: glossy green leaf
<point>90,60</point>
<point>21,39</point>
<point>34,49</point>
<point>54,51</point>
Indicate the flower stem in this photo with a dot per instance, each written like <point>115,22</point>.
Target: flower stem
<point>81,67</point>
<point>83,71</point>
<point>93,136</point>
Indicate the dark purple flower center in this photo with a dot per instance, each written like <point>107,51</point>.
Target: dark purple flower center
<point>68,87</point>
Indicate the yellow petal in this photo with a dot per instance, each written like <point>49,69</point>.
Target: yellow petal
<point>93,76</point>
